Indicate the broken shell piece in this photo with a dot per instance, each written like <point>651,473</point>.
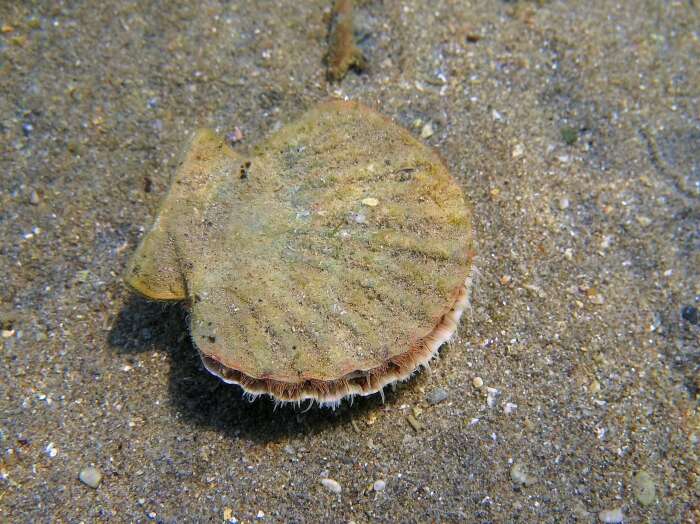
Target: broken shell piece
<point>289,307</point>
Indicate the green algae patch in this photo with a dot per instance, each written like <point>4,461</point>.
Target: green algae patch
<point>304,277</point>
<point>569,135</point>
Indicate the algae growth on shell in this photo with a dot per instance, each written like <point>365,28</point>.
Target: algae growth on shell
<point>332,261</point>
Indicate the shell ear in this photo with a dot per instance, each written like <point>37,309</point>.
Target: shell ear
<point>203,160</point>
<point>155,270</point>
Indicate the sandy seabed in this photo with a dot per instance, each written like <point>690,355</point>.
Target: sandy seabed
<point>573,129</point>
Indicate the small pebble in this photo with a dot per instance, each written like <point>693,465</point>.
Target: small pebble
<point>34,198</point>
<point>10,457</point>
<point>564,203</point>
<point>436,396</point>
<point>359,218</point>
<point>228,515</point>
<point>331,485</point>
<point>478,382</point>
<point>519,474</point>
<point>690,313</point>
<point>595,298</point>
<point>491,395</point>
<point>611,516</point>
<point>235,136</point>
<point>379,485</point>
<point>510,408</point>
<point>643,488</point>
<point>91,477</point>
<point>579,511</point>
<point>643,221</point>
<point>518,151</point>
<point>427,131</point>
<point>370,201</point>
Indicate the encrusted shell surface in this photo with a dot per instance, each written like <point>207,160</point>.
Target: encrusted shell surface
<point>333,260</point>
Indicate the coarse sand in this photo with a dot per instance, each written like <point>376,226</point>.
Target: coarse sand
<point>572,128</point>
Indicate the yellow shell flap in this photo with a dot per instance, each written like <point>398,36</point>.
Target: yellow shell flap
<point>156,270</point>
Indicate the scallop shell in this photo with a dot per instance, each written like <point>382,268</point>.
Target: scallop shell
<point>332,261</point>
